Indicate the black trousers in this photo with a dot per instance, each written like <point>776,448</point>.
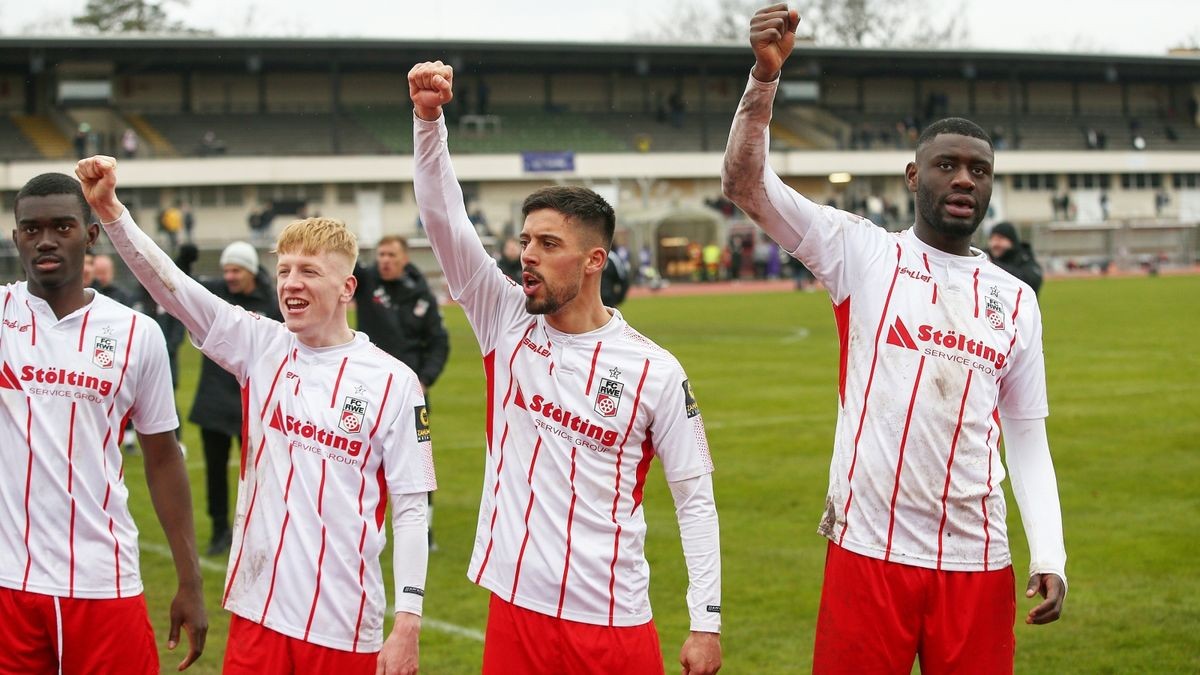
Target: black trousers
<point>216,466</point>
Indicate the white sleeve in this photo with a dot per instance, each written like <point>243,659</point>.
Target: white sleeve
<point>473,278</point>
<point>407,444</point>
<point>1023,384</point>
<point>677,429</point>
<point>832,244</point>
<point>410,550</point>
<point>232,343</point>
<point>1027,453</point>
<point>154,405</point>
<point>699,532</point>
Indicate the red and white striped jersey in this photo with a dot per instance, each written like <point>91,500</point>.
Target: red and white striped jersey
<point>934,349</point>
<point>328,434</point>
<point>573,422</point>
<point>69,388</point>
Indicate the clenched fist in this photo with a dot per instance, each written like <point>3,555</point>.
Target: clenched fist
<point>772,36</point>
<point>430,86</point>
<point>99,178</point>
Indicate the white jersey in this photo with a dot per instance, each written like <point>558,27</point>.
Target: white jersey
<point>69,388</point>
<point>328,434</point>
<point>934,349</point>
<point>573,422</point>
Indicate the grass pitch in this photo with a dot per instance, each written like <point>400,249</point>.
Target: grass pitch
<point>1124,428</point>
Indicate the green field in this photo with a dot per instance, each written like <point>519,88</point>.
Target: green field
<point>1124,428</point>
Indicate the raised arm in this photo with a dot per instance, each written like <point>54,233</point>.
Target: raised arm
<point>746,176</point>
<point>439,196</point>
<point>177,293</point>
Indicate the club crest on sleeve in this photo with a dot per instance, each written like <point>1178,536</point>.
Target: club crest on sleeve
<point>353,412</point>
<point>994,312</point>
<point>421,413</point>
<point>105,351</point>
<point>608,397</point>
<point>689,400</point>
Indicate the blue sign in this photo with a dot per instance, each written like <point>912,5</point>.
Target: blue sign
<point>548,162</point>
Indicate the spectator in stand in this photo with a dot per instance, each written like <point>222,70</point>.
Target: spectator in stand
<point>129,143</point>
<point>1014,256</point>
<point>170,223</point>
<point>712,262</point>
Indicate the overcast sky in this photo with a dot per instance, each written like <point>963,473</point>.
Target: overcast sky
<point>1143,27</point>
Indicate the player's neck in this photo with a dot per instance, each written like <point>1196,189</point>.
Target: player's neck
<point>949,243</point>
<point>332,333</point>
<point>63,300</point>
<point>575,319</point>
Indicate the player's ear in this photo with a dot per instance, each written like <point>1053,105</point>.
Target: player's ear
<point>597,257</point>
<point>348,288</point>
<point>910,176</point>
<point>93,233</point>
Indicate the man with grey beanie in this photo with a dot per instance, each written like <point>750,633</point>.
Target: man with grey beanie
<point>217,409</point>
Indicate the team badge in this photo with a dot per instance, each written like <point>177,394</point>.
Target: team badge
<point>689,400</point>
<point>608,396</point>
<point>353,412</point>
<point>422,415</point>
<point>105,352</point>
<point>994,313</point>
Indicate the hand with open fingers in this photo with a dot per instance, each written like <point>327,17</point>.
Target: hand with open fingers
<point>187,612</point>
<point>701,654</point>
<point>772,36</point>
<point>1054,590</point>
<point>401,650</point>
<point>98,176</point>
<point>430,86</point>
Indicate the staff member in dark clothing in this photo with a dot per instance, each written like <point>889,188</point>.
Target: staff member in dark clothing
<point>398,311</point>
<point>217,409</point>
<point>1014,256</point>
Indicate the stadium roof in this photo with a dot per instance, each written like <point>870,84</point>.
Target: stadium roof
<point>165,53</point>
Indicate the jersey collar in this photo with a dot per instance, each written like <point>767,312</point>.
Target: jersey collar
<point>976,258</point>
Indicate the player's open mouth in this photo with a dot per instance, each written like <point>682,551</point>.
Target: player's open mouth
<point>960,206</point>
<point>295,305</point>
<point>530,283</point>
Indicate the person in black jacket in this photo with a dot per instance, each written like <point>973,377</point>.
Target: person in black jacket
<point>614,281</point>
<point>217,409</point>
<point>1013,255</point>
<point>399,312</point>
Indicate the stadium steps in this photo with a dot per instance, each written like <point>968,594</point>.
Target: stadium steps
<point>159,145</point>
<point>44,135</point>
<point>13,144</point>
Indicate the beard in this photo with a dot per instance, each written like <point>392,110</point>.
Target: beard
<point>930,208</point>
<point>553,298</point>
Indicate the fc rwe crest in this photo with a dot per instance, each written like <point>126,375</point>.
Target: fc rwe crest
<point>353,412</point>
<point>608,397</point>
<point>105,352</point>
<point>994,313</point>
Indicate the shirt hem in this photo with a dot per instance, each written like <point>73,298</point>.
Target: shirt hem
<point>364,647</point>
<point>901,558</point>
<point>133,590</point>
<point>625,621</point>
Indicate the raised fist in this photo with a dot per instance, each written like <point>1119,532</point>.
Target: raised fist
<point>98,176</point>
<point>430,86</point>
<point>772,36</point>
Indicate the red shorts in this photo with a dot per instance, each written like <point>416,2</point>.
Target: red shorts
<point>522,641</point>
<point>254,649</point>
<point>41,633</point>
<point>877,617</point>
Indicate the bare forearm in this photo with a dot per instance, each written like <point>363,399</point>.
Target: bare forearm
<point>747,178</point>
<point>166,476</point>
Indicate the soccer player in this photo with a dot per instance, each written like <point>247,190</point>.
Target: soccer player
<point>940,350</point>
<point>578,404</point>
<point>332,428</point>
<point>76,367</point>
